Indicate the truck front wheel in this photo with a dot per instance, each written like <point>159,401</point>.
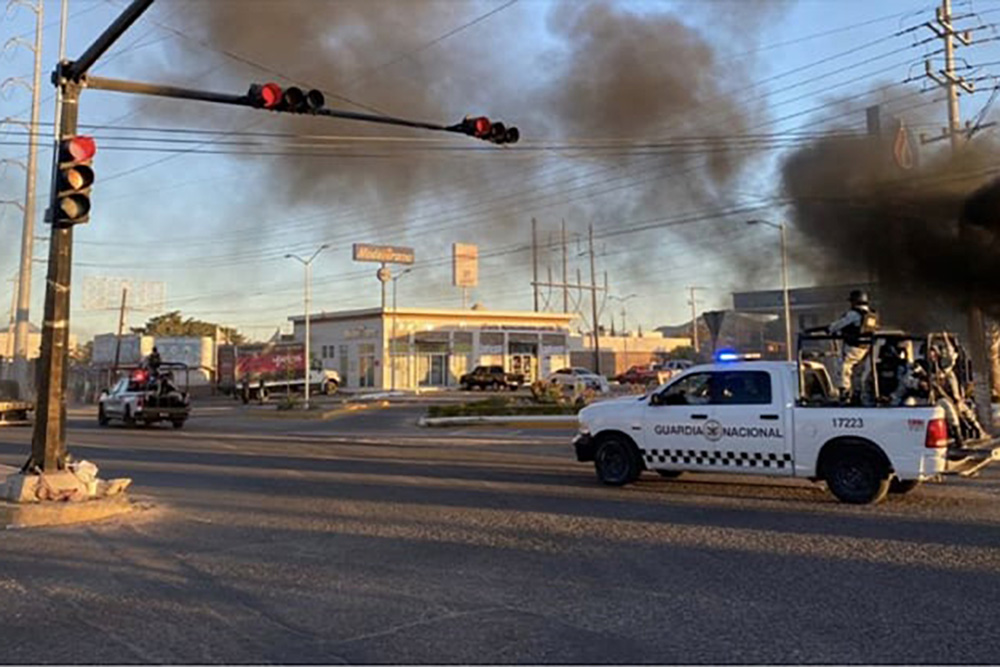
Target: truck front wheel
<point>616,462</point>
<point>856,477</point>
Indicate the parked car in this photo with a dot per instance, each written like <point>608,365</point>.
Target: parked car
<point>491,377</point>
<point>644,375</point>
<point>574,375</point>
<point>676,366</point>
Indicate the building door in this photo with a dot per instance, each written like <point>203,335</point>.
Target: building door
<point>523,355</point>
<point>432,370</point>
<point>366,365</point>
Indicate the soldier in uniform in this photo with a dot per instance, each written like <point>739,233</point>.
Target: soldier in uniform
<point>154,361</point>
<point>857,322</point>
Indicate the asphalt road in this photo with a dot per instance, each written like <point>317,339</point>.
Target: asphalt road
<point>365,539</point>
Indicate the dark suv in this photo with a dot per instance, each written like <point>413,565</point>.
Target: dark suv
<point>491,377</point>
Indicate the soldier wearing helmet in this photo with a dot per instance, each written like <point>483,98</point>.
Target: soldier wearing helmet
<point>855,326</point>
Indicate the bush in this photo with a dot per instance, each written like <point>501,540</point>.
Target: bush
<point>500,407</point>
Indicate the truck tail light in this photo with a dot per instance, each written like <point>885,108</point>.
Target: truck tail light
<point>937,434</point>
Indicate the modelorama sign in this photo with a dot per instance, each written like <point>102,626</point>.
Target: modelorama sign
<point>386,254</point>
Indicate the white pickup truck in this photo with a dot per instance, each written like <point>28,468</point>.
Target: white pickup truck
<point>321,381</point>
<point>752,418</point>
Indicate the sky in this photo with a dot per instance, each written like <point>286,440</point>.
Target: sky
<point>207,202</point>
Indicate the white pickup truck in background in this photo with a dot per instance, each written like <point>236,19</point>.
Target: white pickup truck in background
<point>750,418</point>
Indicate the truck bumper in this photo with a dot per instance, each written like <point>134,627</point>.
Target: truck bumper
<point>585,446</point>
<point>972,457</point>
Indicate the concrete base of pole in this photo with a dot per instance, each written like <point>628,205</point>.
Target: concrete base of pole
<point>20,506</point>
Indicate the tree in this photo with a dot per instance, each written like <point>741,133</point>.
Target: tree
<point>173,324</point>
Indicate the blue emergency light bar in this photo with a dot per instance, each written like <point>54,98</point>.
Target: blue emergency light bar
<point>726,355</point>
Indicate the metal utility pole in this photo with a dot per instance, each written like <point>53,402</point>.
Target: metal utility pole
<point>565,270</point>
<point>947,77</point>
<point>694,317</point>
<point>307,263</point>
<point>392,341</point>
<point>28,228</point>
<point>534,261</point>
<point>952,82</point>
<point>787,310</point>
<point>593,304</point>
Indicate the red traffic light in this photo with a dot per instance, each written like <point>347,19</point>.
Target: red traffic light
<point>79,149</point>
<point>481,127</point>
<point>268,95</point>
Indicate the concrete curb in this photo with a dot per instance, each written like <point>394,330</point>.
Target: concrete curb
<point>274,413</point>
<point>27,515</point>
<point>508,421</point>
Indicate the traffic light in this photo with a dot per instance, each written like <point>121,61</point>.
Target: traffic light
<point>293,99</point>
<point>265,96</point>
<point>481,127</point>
<point>75,177</point>
<point>298,101</point>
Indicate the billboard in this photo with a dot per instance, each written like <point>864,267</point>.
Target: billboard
<point>464,264</point>
<point>385,254</point>
<point>105,293</point>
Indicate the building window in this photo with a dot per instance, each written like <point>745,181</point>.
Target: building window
<point>344,370</point>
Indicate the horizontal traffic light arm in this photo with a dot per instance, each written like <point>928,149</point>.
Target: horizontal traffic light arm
<point>176,92</point>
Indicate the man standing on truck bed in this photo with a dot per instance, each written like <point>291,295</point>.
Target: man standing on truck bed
<point>855,325</point>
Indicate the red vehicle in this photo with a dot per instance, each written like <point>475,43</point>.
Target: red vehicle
<point>253,371</point>
<point>643,375</point>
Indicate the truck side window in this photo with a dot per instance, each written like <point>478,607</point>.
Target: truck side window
<point>742,388</point>
<point>692,390</point>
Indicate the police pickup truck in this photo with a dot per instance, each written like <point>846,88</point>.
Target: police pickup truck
<point>774,418</point>
<point>144,397</point>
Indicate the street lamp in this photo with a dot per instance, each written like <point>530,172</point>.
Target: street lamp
<point>784,282</point>
<point>307,263</point>
<point>624,300</point>
<point>392,340</point>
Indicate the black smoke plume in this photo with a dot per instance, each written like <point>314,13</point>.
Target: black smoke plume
<point>606,71</point>
<point>926,234</point>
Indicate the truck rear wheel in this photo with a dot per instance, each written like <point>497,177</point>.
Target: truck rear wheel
<point>330,388</point>
<point>856,477</point>
<point>616,462</point>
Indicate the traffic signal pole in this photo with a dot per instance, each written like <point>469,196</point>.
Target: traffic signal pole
<point>48,440</point>
<point>48,445</point>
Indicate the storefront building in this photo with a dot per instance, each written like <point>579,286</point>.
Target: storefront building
<point>414,348</point>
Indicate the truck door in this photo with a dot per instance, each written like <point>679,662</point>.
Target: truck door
<point>748,426</point>
<point>674,421</point>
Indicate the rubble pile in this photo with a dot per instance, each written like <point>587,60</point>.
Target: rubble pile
<point>78,483</point>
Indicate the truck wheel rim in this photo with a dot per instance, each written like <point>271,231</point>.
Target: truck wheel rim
<point>613,462</point>
<point>853,477</point>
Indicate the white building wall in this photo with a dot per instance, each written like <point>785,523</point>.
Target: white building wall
<point>429,351</point>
